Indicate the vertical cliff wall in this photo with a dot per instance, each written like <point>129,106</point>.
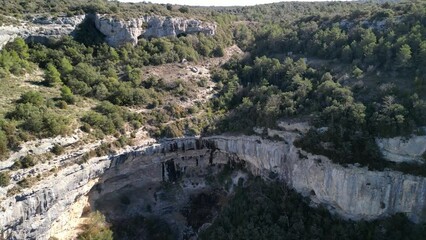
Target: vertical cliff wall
<point>116,31</point>
<point>40,28</point>
<point>401,149</point>
<point>350,191</point>
<point>119,32</point>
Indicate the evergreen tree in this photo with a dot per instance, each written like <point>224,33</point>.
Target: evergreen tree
<point>52,75</point>
<point>67,95</point>
<point>403,57</point>
<point>65,66</point>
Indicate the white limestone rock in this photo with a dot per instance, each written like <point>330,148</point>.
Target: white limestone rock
<point>400,149</point>
<point>40,28</point>
<point>351,192</point>
<point>119,32</point>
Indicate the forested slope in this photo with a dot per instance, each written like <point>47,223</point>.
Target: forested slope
<point>355,71</point>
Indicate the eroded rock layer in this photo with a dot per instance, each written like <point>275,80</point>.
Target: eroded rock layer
<point>400,149</point>
<point>39,29</point>
<point>119,32</point>
<point>350,191</point>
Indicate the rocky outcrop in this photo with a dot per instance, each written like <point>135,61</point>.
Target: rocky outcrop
<point>400,149</point>
<point>30,214</point>
<point>352,192</point>
<point>40,28</point>
<point>119,32</point>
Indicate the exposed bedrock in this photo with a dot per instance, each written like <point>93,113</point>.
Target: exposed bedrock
<point>40,29</point>
<point>351,192</point>
<point>400,149</point>
<point>119,32</point>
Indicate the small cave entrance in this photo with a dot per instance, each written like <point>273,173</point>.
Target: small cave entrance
<point>87,33</point>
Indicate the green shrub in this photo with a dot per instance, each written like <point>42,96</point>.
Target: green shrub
<point>3,145</point>
<point>24,162</point>
<point>122,141</point>
<point>27,161</point>
<point>171,131</point>
<point>96,227</point>
<point>100,121</point>
<point>57,149</point>
<point>55,124</point>
<point>52,75</point>
<point>85,127</point>
<point>62,104</point>
<point>33,97</point>
<point>4,179</point>
<point>67,95</point>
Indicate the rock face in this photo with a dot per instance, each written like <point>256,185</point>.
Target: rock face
<point>352,192</point>
<point>399,149</point>
<point>119,32</point>
<point>30,214</point>
<point>40,29</point>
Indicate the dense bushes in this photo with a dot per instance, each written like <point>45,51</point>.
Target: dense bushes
<point>95,227</point>
<point>52,75</point>
<point>13,58</point>
<point>366,82</point>
<point>109,118</point>
<point>36,117</point>
<point>95,70</point>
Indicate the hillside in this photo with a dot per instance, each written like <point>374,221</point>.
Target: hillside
<point>114,100</point>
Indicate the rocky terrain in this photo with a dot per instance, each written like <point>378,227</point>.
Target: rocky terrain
<point>39,29</point>
<point>351,192</point>
<point>131,148</point>
<point>403,149</point>
<point>117,32</point>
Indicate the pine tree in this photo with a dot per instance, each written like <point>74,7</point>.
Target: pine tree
<point>403,57</point>
<point>52,75</point>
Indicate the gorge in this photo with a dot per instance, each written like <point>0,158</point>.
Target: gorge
<point>128,121</point>
<point>351,192</point>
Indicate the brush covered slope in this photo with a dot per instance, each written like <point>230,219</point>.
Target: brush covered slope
<point>139,120</point>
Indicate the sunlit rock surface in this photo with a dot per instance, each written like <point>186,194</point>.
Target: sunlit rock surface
<point>119,32</point>
<point>352,192</point>
<point>40,28</point>
<point>400,149</point>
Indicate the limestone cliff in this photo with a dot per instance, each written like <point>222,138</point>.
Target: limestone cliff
<point>350,191</point>
<point>119,32</point>
<point>40,28</point>
<point>30,214</point>
<point>400,149</point>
